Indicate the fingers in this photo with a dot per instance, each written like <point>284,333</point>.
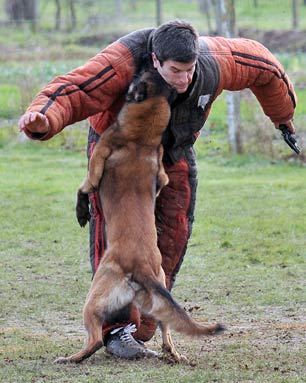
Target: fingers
<point>289,125</point>
<point>35,122</point>
<point>27,119</point>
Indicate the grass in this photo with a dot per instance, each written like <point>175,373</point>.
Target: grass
<point>245,267</point>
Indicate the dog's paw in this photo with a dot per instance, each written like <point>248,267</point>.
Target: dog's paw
<point>61,360</point>
<point>83,218</point>
<point>175,358</point>
<point>82,209</point>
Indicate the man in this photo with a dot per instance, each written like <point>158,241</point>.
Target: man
<point>199,68</point>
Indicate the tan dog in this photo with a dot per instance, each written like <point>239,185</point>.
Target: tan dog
<point>126,167</point>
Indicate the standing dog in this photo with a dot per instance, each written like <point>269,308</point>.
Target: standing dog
<point>126,167</point>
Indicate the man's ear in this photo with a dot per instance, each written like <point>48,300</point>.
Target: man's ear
<point>155,60</point>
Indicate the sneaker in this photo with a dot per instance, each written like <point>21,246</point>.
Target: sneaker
<point>121,343</point>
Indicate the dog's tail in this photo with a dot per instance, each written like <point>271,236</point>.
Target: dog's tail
<point>165,309</point>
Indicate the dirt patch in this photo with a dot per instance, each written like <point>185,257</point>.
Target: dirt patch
<point>278,41</point>
<point>99,40</point>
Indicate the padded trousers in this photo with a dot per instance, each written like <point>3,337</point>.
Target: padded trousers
<point>174,216</point>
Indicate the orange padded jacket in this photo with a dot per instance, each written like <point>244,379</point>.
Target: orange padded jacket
<point>96,90</point>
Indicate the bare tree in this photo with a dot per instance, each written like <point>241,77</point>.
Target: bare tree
<point>226,24</point>
<point>58,15</point>
<point>158,12</point>
<point>295,17</point>
<point>218,15</point>
<point>22,10</point>
<point>69,6</point>
<point>73,20</point>
<point>133,4</point>
<point>118,5</point>
<point>205,7</point>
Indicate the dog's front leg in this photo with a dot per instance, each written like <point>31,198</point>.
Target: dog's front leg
<point>82,207</point>
<point>96,166</point>
<point>91,181</point>
<point>162,178</point>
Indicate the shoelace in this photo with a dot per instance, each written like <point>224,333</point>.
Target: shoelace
<point>126,336</point>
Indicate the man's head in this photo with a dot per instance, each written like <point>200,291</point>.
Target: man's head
<point>175,49</point>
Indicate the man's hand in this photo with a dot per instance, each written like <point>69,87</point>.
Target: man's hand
<point>288,131</point>
<point>34,122</point>
<point>289,125</point>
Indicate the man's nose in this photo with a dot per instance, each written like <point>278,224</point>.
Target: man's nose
<point>184,77</point>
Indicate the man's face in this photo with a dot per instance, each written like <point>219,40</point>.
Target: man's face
<point>178,75</point>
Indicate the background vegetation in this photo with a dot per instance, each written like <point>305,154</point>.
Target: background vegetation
<point>245,265</point>
<point>30,59</point>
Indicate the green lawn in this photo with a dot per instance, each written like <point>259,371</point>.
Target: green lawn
<point>245,267</point>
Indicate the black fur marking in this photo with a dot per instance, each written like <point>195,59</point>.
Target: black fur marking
<point>220,329</point>
<point>162,291</point>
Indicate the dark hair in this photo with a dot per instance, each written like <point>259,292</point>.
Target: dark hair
<point>175,40</point>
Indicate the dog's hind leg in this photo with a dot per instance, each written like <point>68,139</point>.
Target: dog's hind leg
<point>168,346</point>
<point>110,291</point>
<point>149,302</point>
<point>93,324</point>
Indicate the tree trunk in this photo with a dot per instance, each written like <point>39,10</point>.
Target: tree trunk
<point>73,20</point>
<point>58,15</point>
<point>218,15</point>
<point>234,121</point>
<point>133,5</point>
<point>226,23</point>
<point>158,12</point>
<point>205,6</point>
<point>118,4</point>
<point>295,17</point>
<point>20,10</point>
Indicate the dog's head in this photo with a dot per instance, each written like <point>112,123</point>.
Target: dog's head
<point>149,84</point>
